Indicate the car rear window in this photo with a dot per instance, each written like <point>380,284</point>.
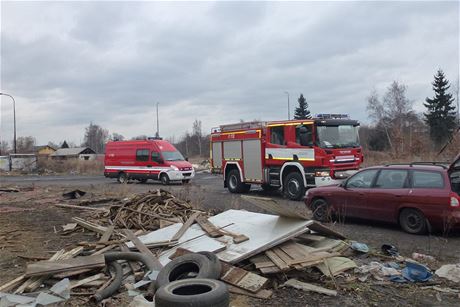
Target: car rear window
<point>391,179</point>
<point>428,180</point>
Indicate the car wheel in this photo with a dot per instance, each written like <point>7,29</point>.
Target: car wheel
<point>122,178</point>
<point>321,210</point>
<point>164,179</point>
<point>293,186</point>
<point>413,221</point>
<point>193,292</point>
<point>188,266</point>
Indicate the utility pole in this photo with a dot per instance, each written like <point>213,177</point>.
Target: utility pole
<point>158,124</point>
<point>14,118</point>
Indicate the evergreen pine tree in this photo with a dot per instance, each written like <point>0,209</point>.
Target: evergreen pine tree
<point>440,116</point>
<point>302,112</point>
<point>64,145</point>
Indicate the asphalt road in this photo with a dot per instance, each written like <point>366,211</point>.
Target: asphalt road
<point>207,191</point>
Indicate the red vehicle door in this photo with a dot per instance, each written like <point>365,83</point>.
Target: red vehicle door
<point>430,193</point>
<point>352,198</point>
<point>389,191</point>
<point>156,163</point>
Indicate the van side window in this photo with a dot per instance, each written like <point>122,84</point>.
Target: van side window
<point>142,155</point>
<point>429,180</point>
<point>277,135</point>
<point>156,157</point>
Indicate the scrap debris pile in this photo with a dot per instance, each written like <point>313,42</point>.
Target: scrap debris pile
<point>187,255</point>
<point>150,211</point>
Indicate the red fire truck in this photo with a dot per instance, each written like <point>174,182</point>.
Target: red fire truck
<point>146,159</point>
<point>292,155</point>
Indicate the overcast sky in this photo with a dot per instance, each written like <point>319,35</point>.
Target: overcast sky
<point>71,63</point>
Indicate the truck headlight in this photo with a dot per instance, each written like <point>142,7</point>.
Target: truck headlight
<point>322,174</point>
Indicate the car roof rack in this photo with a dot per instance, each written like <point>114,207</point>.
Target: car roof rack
<point>428,163</point>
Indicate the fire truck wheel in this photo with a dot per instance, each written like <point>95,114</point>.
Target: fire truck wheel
<point>234,183</point>
<point>293,186</point>
<point>122,178</point>
<point>164,179</point>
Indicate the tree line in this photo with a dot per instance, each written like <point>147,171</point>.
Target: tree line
<point>397,128</point>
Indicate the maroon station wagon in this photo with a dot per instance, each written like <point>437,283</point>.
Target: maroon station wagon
<point>418,196</point>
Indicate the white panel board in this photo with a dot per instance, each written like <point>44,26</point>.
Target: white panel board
<point>264,231</point>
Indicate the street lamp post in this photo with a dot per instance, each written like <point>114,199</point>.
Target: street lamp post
<point>289,115</point>
<point>14,117</point>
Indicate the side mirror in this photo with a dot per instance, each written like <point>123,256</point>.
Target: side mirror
<point>343,184</point>
<point>186,158</point>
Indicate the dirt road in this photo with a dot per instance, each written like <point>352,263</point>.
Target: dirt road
<point>34,223</point>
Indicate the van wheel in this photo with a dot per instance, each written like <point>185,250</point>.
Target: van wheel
<point>164,179</point>
<point>122,178</point>
<point>293,186</point>
<point>413,221</point>
<point>234,183</point>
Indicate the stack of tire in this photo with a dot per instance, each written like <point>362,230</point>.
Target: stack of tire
<point>192,280</point>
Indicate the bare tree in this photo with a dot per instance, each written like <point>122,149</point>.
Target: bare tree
<point>116,137</point>
<point>197,134</point>
<point>393,112</point>
<point>4,148</point>
<point>25,144</point>
<point>95,138</point>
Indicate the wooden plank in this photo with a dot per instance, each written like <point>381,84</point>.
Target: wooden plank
<point>237,238</point>
<point>209,227</point>
<point>277,260</point>
<point>80,207</point>
<point>185,226</point>
<point>107,234</point>
<point>13,283</point>
<point>320,256</point>
<point>51,267</point>
<point>320,228</point>
<point>89,225</point>
<point>143,249</point>
<point>336,265</point>
<point>273,206</point>
<point>294,283</point>
<point>86,280</point>
<point>263,294</point>
<point>33,283</point>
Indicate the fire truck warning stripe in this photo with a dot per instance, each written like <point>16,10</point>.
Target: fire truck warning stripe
<point>288,153</point>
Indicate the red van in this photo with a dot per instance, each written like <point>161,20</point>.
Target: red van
<point>146,159</point>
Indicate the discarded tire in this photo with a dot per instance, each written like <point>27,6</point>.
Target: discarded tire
<point>193,293</point>
<point>185,267</point>
<point>215,262</point>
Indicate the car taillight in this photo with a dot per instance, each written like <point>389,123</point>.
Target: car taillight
<point>454,202</point>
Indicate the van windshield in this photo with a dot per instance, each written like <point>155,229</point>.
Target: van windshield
<point>172,156</point>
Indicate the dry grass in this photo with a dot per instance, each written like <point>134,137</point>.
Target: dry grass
<point>91,167</point>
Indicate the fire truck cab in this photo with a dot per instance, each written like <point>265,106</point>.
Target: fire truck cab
<point>153,158</point>
<point>293,155</point>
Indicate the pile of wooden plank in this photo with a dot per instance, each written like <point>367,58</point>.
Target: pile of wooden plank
<point>253,247</point>
<point>150,211</point>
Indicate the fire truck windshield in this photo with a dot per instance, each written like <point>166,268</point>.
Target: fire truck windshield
<point>337,136</point>
<point>172,156</point>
